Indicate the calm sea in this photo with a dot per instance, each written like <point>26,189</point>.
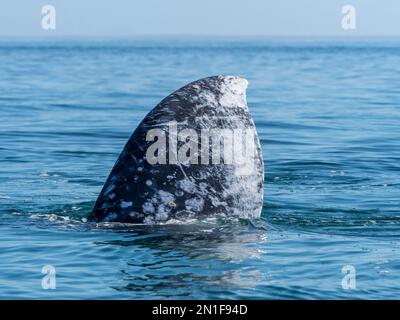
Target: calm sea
<point>328,116</point>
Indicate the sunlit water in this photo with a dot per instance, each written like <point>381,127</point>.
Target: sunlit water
<point>327,113</point>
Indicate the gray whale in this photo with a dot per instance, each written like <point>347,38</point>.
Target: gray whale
<point>196,154</point>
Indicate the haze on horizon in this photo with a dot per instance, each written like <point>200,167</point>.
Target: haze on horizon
<point>119,18</point>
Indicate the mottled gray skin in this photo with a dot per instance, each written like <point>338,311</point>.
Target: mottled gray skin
<point>138,192</point>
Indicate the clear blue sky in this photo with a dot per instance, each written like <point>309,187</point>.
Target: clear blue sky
<point>199,17</point>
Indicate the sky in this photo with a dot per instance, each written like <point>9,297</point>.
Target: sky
<point>119,18</point>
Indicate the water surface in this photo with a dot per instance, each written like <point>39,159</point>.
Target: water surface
<point>327,113</point>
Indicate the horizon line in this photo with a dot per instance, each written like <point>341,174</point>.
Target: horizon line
<point>197,36</point>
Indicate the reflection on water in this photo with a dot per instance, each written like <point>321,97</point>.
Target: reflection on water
<point>179,251</point>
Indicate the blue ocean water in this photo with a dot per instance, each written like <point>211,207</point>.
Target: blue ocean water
<point>327,113</point>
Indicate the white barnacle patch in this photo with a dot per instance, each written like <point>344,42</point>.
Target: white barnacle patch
<point>111,195</point>
<point>172,204</point>
<point>204,98</point>
<point>126,204</point>
<point>161,205</point>
<point>162,212</point>
<point>148,207</point>
<point>165,197</point>
<point>216,202</point>
<point>203,186</point>
<point>233,92</point>
<point>194,204</point>
<point>187,185</point>
<point>149,183</point>
<point>148,220</point>
<point>179,193</point>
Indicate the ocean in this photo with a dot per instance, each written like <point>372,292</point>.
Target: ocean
<point>327,112</point>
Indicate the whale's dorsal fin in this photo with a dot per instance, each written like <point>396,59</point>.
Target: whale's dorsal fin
<point>196,153</point>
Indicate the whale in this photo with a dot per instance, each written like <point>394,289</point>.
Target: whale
<point>195,155</point>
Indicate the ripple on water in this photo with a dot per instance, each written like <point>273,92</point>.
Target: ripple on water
<point>327,116</point>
